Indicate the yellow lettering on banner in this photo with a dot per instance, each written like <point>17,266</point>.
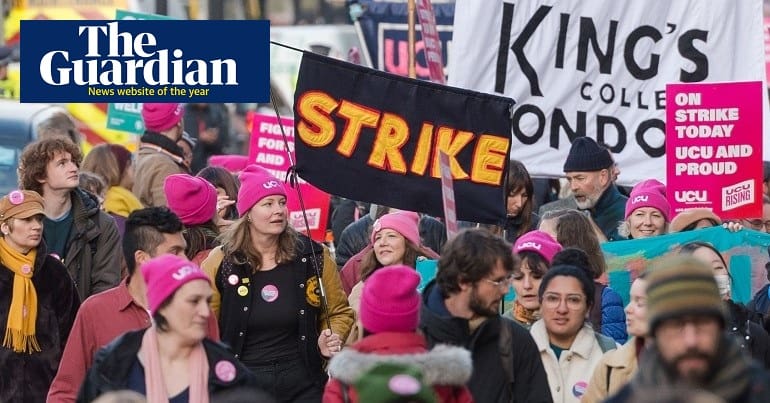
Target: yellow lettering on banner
<point>489,159</point>
<point>422,151</point>
<point>316,127</point>
<point>392,134</point>
<point>357,116</point>
<point>450,143</point>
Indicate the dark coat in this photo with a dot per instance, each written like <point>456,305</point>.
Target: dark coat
<point>112,366</point>
<point>750,334</point>
<point>94,251</point>
<point>27,377</point>
<point>609,211</point>
<point>488,382</point>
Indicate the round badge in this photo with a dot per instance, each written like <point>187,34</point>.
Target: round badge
<point>26,269</point>
<point>56,256</point>
<point>269,293</point>
<point>243,291</point>
<point>225,371</point>
<point>16,197</point>
<point>232,279</point>
<point>312,292</point>
<point>404,385</point>
<point>579,389</point>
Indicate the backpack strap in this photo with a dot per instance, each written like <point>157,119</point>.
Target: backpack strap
<point>505,342</point>
<point>605,343</point>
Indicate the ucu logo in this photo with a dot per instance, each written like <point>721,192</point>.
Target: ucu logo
<point>530,244</point>
<point>690,196</point>
<point>183,272</point>
<point>638,199</point>
<point>271,184</point>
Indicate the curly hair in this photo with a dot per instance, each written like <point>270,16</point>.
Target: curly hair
<point>471,256</point>
<point>34,160</point>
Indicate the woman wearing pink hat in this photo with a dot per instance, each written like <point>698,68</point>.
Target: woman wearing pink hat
<point>268,296</point>
<point>395,239</point>
<point>536,250</point>
<point>172,360</point>
<point>647,211</point>
<point>38,301</point>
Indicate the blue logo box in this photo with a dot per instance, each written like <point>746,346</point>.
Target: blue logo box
<point>145,61</point>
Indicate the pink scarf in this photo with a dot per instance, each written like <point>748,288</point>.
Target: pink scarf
<point>153,379</point>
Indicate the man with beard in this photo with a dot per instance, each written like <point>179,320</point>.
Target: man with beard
<point>461,307</point>
<point>689,346</point>
<point>591,173</point>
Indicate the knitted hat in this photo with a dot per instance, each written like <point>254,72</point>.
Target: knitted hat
<point>648,193</point>
<point>679,286</point>
<point>192,198</point>
<point>389,382</point>
<point>405,223</point>
<point>122,156</point>
<point>161,117</point>
<point>232,163</point>
<point>539,242</point>
<point>586,155</point>
<point>21,204</point>
<point>390,301</point>
<point>164,275</point>
<point>691,216</point>
<point>256,184</point>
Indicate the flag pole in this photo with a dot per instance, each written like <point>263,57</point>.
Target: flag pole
<point>410,38</point>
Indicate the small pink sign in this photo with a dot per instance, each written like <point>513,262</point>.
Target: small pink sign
<point>433,54</point>
<point>267,148</point>
<point>714,148</point>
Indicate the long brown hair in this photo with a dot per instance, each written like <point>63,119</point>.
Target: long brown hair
<point>237,244</point>
<point>370,264</point>
<point>518,179</point>
<point>574,229</point>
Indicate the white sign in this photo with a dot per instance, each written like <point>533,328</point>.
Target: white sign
<point>599,68</point>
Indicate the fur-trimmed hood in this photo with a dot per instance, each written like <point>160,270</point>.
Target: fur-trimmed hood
<point>443,365</point>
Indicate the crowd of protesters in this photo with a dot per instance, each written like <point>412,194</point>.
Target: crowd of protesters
<point>172,274</point>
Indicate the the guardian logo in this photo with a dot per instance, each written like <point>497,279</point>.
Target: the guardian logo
<point>738,195</point>
<point>145,61</point>
<point>129,56</point>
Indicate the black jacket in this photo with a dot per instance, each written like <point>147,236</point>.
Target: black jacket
<point>27,377</point>
<point>750,334</point>
<point>488,382</point>
<point>112,366</point>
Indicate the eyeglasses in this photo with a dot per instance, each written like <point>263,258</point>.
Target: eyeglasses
<point>504,283</point>
<point>757,224</point>
<point>573,301</point>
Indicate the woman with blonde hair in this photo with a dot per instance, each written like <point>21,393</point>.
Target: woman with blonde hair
<point>279,318</point>
<point>114,164</point>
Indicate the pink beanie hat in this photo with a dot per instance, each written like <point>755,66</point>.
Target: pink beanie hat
<point>390,301</point>
<point>232,163</point>
<point>256,184</point>
<point>404,222</point>
<point>648,193</point>
<point>191,198</point>
<point>539,242</point>
<point>164,275</point>
<point>161,117</point>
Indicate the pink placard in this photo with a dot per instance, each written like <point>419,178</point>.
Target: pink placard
<point>714,148</point>
<point>267,148</point>
<point>431,40</point>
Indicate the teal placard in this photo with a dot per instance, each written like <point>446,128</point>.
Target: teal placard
<point>125,117</point>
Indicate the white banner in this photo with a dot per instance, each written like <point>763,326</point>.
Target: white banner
<point>599,68</point>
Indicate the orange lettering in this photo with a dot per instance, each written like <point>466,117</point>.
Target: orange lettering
<point>391,136</point>
<point>489,159</point>
<point>316,127</point>
<point>450,143</point>
<point>357,116</point>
